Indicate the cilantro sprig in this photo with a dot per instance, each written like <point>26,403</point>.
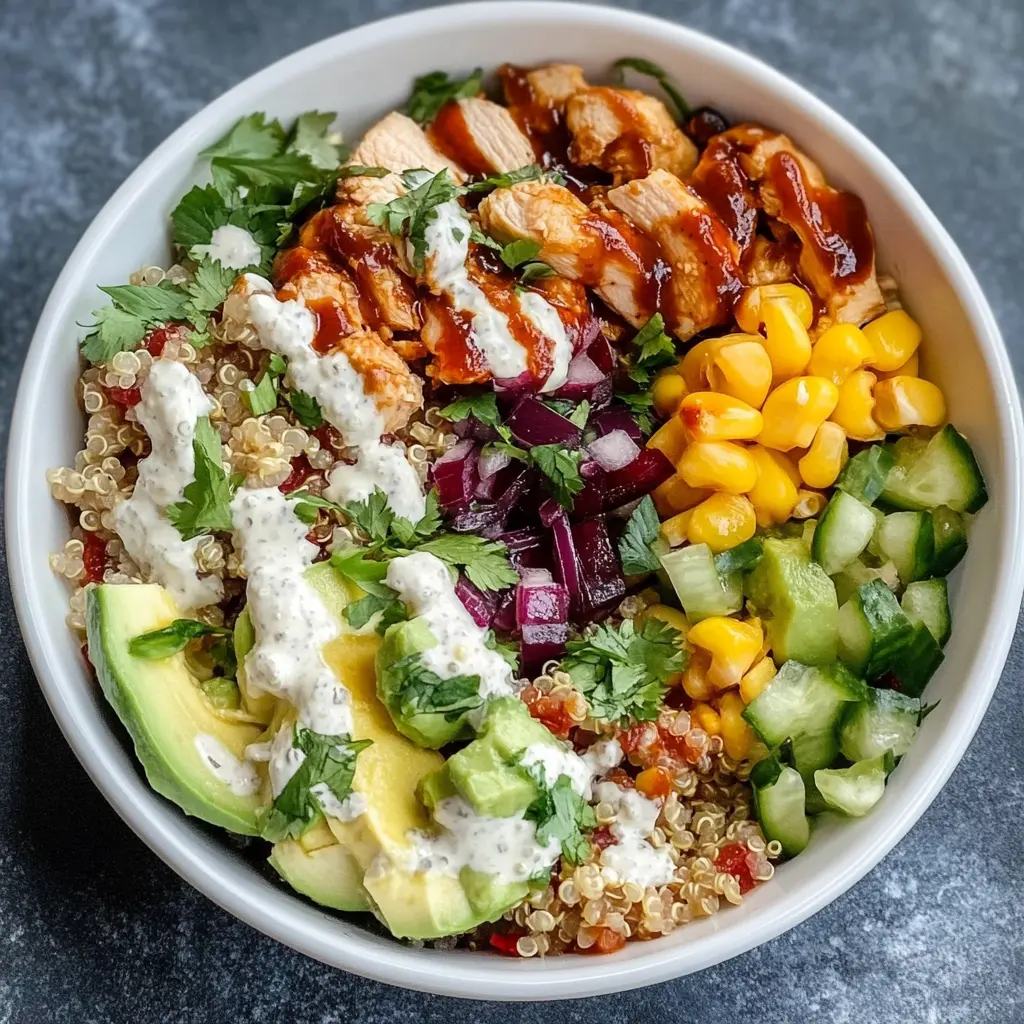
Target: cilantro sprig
<point>482,407</point>
<point>559,812</point>
<point>624,672</point>
<point>683,111</point>
<point>432,91</point>
<point>639,405</point>
<point>206,505</point>
<point>521,257</point>
<point>162,643</point>
<point>654,350</point>
<point>417,690</point>
<point>642,530</point>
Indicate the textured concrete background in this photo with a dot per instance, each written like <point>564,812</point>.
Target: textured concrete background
<point>93,928</point>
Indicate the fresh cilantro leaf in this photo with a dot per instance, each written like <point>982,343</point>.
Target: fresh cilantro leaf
<point>208,289</point>
<point>477,236</point>
<point>649,68</point>
<point>559,812</point>
<point>741,558</point>
<point>656,350</point>
<point>306,408</point>
<point>207,503</point>
<point>199,213</point>
<point>121,326</point>
<point>483,407</point>
<point>562,468</point>
<point>432,91</point>
<point>373,515</point>
<point>326,771</point>
<point>252,136</point>
<point>162,643</point>
<point>153,304</point>
<point>419,691</point>
<point>506,179</point>
<point>485,562</point>
<point>410,534</point>
<point>306,505</point>
<point>642,529</point>
<point>535,271</point>
<point>522,250</point>
<point>358,613</point>
<point>263,398</point>
<point>362,171</point>
<point>285,171</point>
<point>639,406</point>
<point>411,213</point>
<point>355,564</point>
<point>624,673</point>
<point>579,416</point>
<point>308,138</point>
<point>114,331</point>
<point>277,364</point>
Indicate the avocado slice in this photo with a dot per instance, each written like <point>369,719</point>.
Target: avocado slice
<point>319,867</point>
<point>161,705</point>
<point>427,729</point>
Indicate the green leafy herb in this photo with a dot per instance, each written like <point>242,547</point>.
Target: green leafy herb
<point>655,350</point>
<point>207,503</point>
<point>741,558</point>
<point>362,171</point>
<point>562,468</point>
<point>263,398</point>
<point>326,771</point>
<point>639,406</point>
<point>579,416</point>
<point>277,364</point>
<point>162,643</point>
<point>252,136</point>
<point>134,309</point>
<point>420,691</point>
<point>483,407</point>
<point>307,505</point>
<point>559,812</point>
<point>373,516</point>
<point>485,562</point>
<point>308,138</point>
<point>409,534</point>
<point>368,574</point>
<point>509,651</point>
<point>641,531</point>
<point>431,92</point>
<point>208,289</point>
<point>476,235</point>
<point>624,673</point>
<point>506,179</point>
<point>520,256</point>
<point>649,68</point>
<point>306,408</point>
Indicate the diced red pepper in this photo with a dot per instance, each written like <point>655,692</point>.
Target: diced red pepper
<point>602,837</point>
<point>608,941</point>
<point>94,558</point>
<point>301,470</point>
<point>125,397</point>
<point>506,944</point>
<point>550,712</point>
<point>734,859</point>
<point>157,339</point>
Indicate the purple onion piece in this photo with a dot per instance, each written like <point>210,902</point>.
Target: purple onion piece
<point>613,451</point>
<point>533,423</point>
<point>617,418</point>
<point>567,565</point>
<point>601,581</point>
<point>481,606</point>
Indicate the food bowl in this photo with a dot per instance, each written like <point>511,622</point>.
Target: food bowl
<point>362,74</point>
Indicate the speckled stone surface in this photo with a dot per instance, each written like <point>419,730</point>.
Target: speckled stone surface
<point>94,928</point>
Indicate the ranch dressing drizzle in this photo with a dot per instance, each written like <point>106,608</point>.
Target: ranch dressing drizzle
<point>240,776</point>
<point>384,466</point>
<point>172,401</point>
<point>447,237</point>
<point>633,858</point>
<point>233,247</point>
<point>291,623</point>
<point>425,586</point>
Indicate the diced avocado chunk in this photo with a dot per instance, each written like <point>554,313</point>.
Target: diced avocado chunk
<point>799,601</point>
<point>164,709</point>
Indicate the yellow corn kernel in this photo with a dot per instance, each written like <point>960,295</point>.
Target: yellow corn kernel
<point>774,494</point>
<point>842,349</point>
<point>675,530</point>
<point>737,736</point>
<point>695,679</point>
<point>794,411</point>
<point>668,391</point>
<point>693,367</point>
<point>854,411</point>
<point>709,416</point>
<point>742,369</point>
<point>718,466</point>
<point>721,521</point>
<point>786,339</point>
<point>676,495</point>
<point>757,678</point>
<point>826,456</point>
<point>670,439</point>
<point>902,402</point>
<point>733,645</point>
<point>894,336</point>
<point>808,504</point>
<point>705,717</point>
<point>911,368</point>
<point>670,616</point>
<point>750,310</point>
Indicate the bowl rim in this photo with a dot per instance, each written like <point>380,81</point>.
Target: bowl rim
<point>288,919</point>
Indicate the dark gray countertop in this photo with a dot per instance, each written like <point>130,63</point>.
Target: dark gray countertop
<point>93,927</point>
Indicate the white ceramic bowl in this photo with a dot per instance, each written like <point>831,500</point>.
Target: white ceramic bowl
<point>363,74</point>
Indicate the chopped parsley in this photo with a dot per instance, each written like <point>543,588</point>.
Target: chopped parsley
<point>306,408</point>
<point>419,691</point>
<point>368,574</point>
<point>655,350</point>
<point>642,529</point>
<point>432,91</point>
<point>639,406</point>
<point>562,468</point>
<point>485,562</point>
<point>307,505</point>
<point>506,179</point>
<point>482,407</point>
<point>623,672</point>
<point>134,309</point>
<point>652,70</point>
<point>520,256</point>
<point>559,812</point>
<point>362,171</point>
<point>162,643</point>
<point>207,503</point>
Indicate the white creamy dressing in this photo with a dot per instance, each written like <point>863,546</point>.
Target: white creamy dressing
<point>557,760</point>
<point>633,858</point>
<point>233,247</point>
<point>349,809</point>
<point>288,328</point>
<point>290,621</point>
<point>384,466</point>
<point>447,237</point>
<point>172,401</point>
<point>603,756</point>
<point>240,776</point>
<point>425,586</point>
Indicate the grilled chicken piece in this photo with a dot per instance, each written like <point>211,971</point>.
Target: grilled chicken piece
<point>771,262</point>
<point>706,277</point>
<point>837,255</point>
<point>480,136</point>
<point>398,143</point>
<point>395,389</point>
<point>605,253</point>
<point>301,273</point>
<point>536,97</point>
<point>720,180</point>
<point>626,133</point>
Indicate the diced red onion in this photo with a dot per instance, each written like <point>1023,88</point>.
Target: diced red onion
<point>488,466</point>
<point>613,451</point>
<point>481,606</point>
<point>601,581</point>
<point>533,423</point>
<point>455,474</point>
<point>616,418</point>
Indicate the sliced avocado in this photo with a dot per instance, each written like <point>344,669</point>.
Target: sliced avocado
<point>321,868</point>
<point>259,705</point>
<point>423,905</point>
<point>427,729</point>
<point>164,709</point>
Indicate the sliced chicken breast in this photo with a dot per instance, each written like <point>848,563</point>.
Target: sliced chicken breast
<point>704,258</point>
<point>536,98</point>
<point>626,133</point>
<point>480,136</point>
<point>309,275</point>
<point>395,389</point>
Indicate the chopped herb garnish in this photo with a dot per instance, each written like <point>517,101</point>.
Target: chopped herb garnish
<point>483,407</point>
<point>207,503</point>
<point>431,92</point>
<point>506,179</point>
<point>559,812</point>
<point>162,643</point>
<point>562,468</point>
<point>579,416</point>
<point>642,529</point>
<point>655,350</point>
<point>263,398</point>
<point>485,562</point>
<point>362,171</point>
<point>520,256</point>
<point>419,691</point>
<point>135,308</point>
<point>477,236</point>
<point>308,138</point>
<point>639,406</point>
<point>306,408</point>
<point>307,505</point>
<point>649,68</point>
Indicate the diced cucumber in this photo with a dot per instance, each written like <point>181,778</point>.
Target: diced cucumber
<point>873,631</point>
<point>918,661</point>
<point>928,602</point>
<point>741,558</point>
<point>856,574</point>
<point>950,540</point>
<point>701,590</point>
<point>887,720</point>
<point>864,476</point>
<point>855,790</point>
<point>907,540</point>
<point>842,533</point>
<point>942,471</point>
<point>798,600</point>
<point>779,804</point>
<point>804,704</point>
